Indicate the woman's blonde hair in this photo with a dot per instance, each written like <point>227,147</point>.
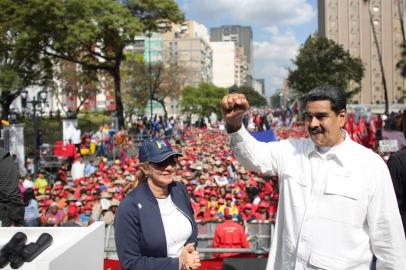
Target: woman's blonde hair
<point>140,176</point>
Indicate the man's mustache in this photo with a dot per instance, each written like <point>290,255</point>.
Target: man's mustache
<point>316,130</point>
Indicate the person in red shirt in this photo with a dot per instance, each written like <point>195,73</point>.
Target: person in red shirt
<point>262,213</point>
<point>247,212</point>
<point>205,214</point>
<point>229,234</point>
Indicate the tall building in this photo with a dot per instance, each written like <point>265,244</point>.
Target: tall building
<point>223,63</point>
<point>259,86</point>
<point>187,46</point>
<point>348,23</point>
<point>153,47</point>
<point>242,38</point>
<point>241,68</point>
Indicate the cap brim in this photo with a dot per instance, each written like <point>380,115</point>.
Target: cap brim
<point>163,156</point>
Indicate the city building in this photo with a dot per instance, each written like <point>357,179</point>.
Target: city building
<point>223,63</point>
<point>259,86</point>
<point>349,23</point>
<point>187,46</point>
<point>241,68</point>
<point>241,36</point>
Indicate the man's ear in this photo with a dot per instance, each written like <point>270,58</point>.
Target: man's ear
<point>342,115</point>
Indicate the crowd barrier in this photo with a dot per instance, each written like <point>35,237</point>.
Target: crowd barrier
<point>258,233</point>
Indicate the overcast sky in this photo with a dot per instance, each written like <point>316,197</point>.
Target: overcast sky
<point>279,28</point>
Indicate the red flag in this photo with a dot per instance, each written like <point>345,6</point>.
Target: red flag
<point>361,125</point>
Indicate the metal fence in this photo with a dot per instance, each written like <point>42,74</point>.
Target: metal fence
<point>258,233</point>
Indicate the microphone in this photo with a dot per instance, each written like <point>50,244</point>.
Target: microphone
<point>32,250</point>
<point>12,249</point>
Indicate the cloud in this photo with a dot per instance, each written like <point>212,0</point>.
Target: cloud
<point>263,13</point>
<point>273,57</point>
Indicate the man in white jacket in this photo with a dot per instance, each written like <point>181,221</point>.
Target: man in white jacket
<point>337,207</point>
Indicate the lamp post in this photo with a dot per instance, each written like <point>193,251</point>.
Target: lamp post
<point>149,34</point>
<point>40,99</point>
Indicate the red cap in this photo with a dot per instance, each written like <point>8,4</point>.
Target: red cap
<point>197,193</point>
<point>72,211</point>
<point>262,204</point>
<point>118,196</point>
<point>203,202</point>
<point>213,193</point>
<point>89,198</point>
<point>88,207</point>
<point>58,187</point>
<point>228,196</point>
<point>248,206</point>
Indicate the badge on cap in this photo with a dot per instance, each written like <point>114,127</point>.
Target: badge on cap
<point>139,206</point>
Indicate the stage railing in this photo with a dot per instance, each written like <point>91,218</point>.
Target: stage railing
<point>258,234</point>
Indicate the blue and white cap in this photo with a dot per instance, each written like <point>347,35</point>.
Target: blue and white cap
<point>156,150</point>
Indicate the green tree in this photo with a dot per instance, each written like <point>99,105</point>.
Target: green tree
<point>81,83</point>
<point>158,81</point>
<point>254,98</point>
<point>203,99</point>
<point>135,92</point>
<point>19,66</point>
<point>91,33</point>
<point>322,61</point>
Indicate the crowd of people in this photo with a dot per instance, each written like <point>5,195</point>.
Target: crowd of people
<point>91,188</point>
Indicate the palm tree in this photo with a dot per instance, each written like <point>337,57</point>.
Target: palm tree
<point>385,89</point>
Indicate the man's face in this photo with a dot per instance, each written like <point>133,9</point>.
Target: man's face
<point>322,123</point>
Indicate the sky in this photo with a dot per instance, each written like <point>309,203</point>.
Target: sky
<point>279,28</point>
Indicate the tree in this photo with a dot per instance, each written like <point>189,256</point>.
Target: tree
<point>166,81</point>
<point>135,93</point>
<point>79,82</point>
<point>322,61</point>
<point>254,98</point>
<point>91,33</point>
<point>19,66</point>
<point>203,99</point>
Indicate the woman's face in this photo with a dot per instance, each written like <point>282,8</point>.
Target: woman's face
<point>161,174</point>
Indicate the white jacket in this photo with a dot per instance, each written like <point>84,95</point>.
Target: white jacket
<point>335,210</point>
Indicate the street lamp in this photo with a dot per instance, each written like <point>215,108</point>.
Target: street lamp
<point>40,99</point>
<point>149,34</point>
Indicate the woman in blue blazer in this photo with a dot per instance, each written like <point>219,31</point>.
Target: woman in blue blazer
<point>154,224</point>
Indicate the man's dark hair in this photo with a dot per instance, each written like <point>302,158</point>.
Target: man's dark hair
<point>327,92</point>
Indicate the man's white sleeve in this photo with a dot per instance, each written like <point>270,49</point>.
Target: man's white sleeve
<point>254,155</point>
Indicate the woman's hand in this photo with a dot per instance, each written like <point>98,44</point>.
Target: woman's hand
<point>189,258</point>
